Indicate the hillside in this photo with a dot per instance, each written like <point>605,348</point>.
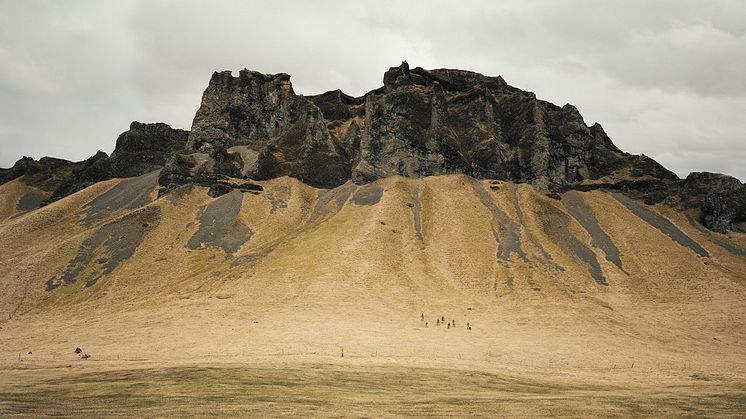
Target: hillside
<point>355,267</point>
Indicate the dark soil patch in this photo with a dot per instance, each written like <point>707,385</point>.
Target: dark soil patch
<point>368,195</point>
<point>110,245</point>
<point>130,193</point>
<point>30,201</point>
<point>275,201</point>
<point>338,195</point>
<point>219,226</point>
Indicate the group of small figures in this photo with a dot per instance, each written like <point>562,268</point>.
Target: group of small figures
<point>442,320</point>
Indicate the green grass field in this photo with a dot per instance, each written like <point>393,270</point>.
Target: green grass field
<point>332,390</point>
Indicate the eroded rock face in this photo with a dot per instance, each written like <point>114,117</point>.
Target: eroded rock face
<point>140,150</point>
<point>419,123</point>
<point>722,200</point>
<point>46,173</point>
<point>146,147</point>
<point>428,122</point>
<point>261,112</point>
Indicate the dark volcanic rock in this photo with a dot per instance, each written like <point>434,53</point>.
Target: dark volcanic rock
<point>46,173</point>
<point>155,138</point>
<point>222,187</point>
<point>451,121</point>
<point>140,150</point>
<point>95,169</point>
<point>200,168</point>
<point>419,123</point>
<point>722,200</point>
<point>146,147</point>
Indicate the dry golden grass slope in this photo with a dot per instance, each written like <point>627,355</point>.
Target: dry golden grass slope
<point>297,273</point>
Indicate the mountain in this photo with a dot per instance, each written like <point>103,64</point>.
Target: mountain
<point>299,228</point>
<point>420,123</point>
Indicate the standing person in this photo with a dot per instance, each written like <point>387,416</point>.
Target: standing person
<point>422,317</point>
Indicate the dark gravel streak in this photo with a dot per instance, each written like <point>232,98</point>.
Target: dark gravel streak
<point>368,195</point>
<point>219,225</point>
<point>339,195</point>
<point>663,225</point>
<point>110,245</point>
<point>509,235</point>
<point>576,206</point>
<point>717,239</point>
<point>130,193</point>
<point>531,238</point>
<point>417,212</point>
<point>555,224</point>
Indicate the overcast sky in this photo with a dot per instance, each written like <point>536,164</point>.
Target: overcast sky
<point>664,78</point>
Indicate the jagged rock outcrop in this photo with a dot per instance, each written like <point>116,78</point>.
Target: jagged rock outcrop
<point>419,123</point>
<point>275,131</point>
<point>451,121</point>
<point>211,170</point>
<point>46,173</point>
<point>146,147</point>
<point>721,199</point>
<point>142,149</point>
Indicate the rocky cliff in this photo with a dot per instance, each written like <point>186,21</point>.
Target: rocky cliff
<point>420,123</point>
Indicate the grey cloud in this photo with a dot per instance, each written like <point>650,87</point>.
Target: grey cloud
<point>665,78</point>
